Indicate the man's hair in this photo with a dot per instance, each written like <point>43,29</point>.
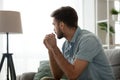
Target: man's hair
<point>66,14</point>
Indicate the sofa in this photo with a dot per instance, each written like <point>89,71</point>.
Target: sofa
<point>113,56</point>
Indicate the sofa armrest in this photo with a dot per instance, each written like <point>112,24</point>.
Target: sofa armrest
<point>26,76</point>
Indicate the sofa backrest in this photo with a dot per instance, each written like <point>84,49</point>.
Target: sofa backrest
<point>113,56</point>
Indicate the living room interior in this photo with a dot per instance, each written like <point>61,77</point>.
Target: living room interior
<point>28,49</point>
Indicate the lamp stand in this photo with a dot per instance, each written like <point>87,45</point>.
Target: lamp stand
<point>10,65</point>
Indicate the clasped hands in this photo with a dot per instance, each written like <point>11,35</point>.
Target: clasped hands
<point>50,41</point>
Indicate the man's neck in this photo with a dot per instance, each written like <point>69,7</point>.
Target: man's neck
<point>70,33</point>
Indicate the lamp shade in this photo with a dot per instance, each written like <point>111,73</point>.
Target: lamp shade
<point>10,22</point>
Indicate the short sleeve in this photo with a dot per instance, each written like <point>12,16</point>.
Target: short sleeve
<point>88,48</point>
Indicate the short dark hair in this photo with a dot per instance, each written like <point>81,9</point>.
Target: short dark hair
<point>66,14</point>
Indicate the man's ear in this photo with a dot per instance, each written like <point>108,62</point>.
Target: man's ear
<point>62,25</point>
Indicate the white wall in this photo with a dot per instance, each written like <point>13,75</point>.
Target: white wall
<point>89,15</point>
<point>3,70</point>
<point>0,34</point>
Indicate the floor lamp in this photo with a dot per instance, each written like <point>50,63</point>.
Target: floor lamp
<point>10,23</point>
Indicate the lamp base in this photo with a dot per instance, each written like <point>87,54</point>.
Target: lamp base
<point>10,66</point>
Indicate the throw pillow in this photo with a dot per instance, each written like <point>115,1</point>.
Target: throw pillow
<point>43,70</point>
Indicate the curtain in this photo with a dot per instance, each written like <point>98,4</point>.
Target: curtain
<point>27,48</point>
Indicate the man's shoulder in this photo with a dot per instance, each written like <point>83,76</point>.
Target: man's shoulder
<point>85,34</point>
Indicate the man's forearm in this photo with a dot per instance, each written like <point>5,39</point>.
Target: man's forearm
<point>56,71</point>
<point>65,66</point>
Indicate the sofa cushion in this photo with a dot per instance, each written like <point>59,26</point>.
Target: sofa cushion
<point>113,56</point>
<point>43,70</point>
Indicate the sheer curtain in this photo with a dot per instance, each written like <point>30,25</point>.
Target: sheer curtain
<point>27,48</point>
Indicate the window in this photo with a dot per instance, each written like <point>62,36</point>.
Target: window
<point>117,24</point>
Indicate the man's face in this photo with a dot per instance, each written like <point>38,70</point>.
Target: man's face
<point>57,29</point>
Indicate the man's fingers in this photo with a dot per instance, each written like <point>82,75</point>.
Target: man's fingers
<point>49,37</point>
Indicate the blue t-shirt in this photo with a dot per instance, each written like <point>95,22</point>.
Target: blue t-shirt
<point>86,46</point>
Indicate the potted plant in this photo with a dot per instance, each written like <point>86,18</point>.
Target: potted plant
<point>103,26</point>
<point>114,13</point>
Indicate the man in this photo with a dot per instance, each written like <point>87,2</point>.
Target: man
<point>82,56</point>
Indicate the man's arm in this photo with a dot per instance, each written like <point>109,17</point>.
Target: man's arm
<point>72,71</point>
<point>56,71</point>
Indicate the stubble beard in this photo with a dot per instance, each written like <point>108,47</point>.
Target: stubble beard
<point>60,35</point>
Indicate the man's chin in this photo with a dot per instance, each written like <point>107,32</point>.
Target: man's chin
<point>60,37</point>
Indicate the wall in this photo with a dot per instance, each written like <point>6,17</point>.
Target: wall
<point>1,2</point>
<point>1,43</point>
<point>3,70</point>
